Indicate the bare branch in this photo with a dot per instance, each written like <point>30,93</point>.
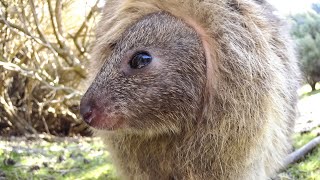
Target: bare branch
<point>15,119</point>
<point>58,36</point>
<point>28,34</point>
<point>64,53</point>
<point>39,70</point>
<point>58,16</point>
<point>35,75</point>
<point>300,153</point>
<point>3,21</point>
<point>33,9</point>
<point>45,125</point>
<point>4,4</point>
<point>90,14</point>
<point>83,26</point>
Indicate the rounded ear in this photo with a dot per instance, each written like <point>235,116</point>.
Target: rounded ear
<point>212,73</point>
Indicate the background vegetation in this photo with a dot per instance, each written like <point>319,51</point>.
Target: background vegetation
<point>43,50</point>
<point>44,47</point>
<point>306,31</point>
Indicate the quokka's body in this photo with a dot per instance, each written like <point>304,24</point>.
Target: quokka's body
<point>193,89</point>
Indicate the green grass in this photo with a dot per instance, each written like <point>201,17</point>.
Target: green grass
<point>86,158</point>
<point>309,167</point>
<point>80,158</point>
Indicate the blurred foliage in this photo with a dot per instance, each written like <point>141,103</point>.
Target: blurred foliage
<point>43,49</point>
<point>316,7</point>
<point>306,32</point>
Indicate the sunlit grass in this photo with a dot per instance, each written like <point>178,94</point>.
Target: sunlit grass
<point>308,168</point>
<point>83,158</point>
<point>306,90</point>
<point>87,159</point>
<point>302,139</point>
<point>309,107</point>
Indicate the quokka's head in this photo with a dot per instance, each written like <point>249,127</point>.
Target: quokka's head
<point>151,79</point>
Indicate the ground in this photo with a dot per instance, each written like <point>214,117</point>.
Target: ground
<point>54,158</point>
<point>307,127</point>
<point>85,158</point>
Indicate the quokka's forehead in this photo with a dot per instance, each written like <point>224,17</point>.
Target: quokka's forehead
<point>119,16</point>
<point>156,29</point>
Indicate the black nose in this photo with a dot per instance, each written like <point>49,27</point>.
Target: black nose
<point>86,112</point>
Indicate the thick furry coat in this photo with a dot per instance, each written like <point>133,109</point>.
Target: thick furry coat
<point>247,111</point>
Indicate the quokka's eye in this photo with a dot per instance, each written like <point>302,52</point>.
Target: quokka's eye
<point>140,60</point>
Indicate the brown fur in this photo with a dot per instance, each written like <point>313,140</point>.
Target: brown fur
<point>219,101</point>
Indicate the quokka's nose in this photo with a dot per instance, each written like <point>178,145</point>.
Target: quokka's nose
<point>86,111</point>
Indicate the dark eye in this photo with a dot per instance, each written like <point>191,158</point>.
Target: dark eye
<point>140,60</point>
